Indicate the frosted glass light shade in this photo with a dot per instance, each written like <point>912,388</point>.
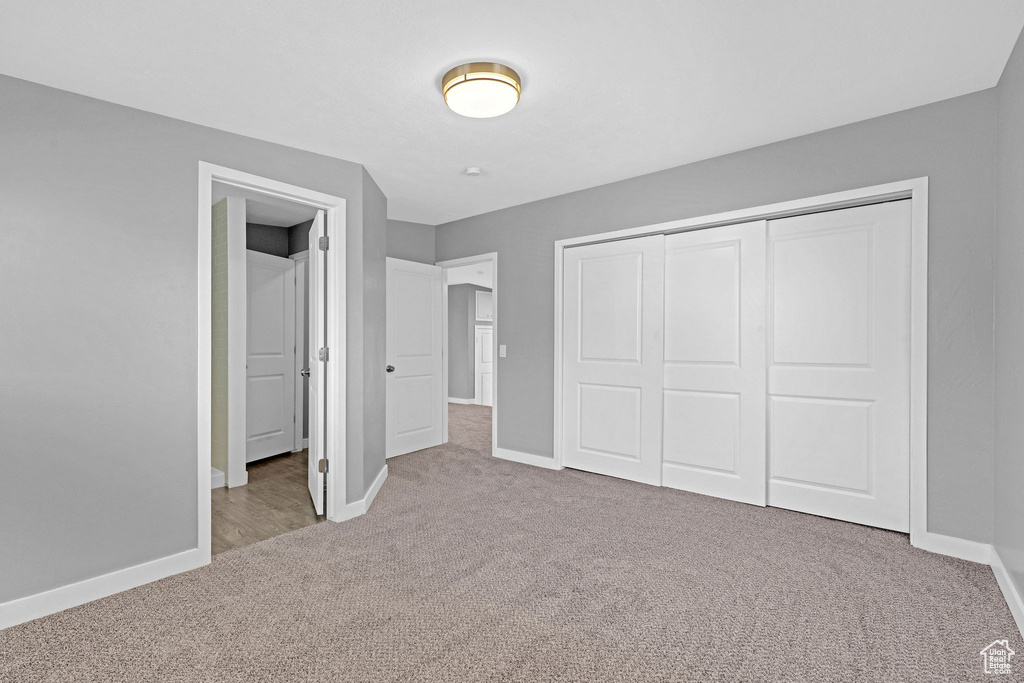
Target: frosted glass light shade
<point>481,90</point>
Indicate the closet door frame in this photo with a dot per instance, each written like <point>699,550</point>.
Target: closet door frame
<point>916,190</point>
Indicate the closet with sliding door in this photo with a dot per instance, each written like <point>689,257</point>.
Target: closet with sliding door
<point>766,362</point>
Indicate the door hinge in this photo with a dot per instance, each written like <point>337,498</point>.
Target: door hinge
<point>324,353</point>
<point>323,243</point>
<point>321,465</point>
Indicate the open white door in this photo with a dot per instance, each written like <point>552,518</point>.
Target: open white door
<point>269,356</point>
<point>414,336</point>
<point>714,427</point>
<point>317,321</point>
<point>484,365</point>
<point>612,358</point>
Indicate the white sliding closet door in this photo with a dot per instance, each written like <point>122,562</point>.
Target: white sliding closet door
<point>839,364</point>
<point>714,415</point>
<point>612,358</point>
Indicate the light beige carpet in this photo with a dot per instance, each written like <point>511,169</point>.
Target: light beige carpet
<point>469,568</point>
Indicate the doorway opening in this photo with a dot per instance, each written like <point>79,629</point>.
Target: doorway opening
<point>263,483</point>
<point>273,346</point>
<point>441,354</point>
<point>471,348</point>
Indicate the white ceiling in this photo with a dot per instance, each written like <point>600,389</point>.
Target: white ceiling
<point>611,88</point>
<point>479,274</point>
<point>263,209</point>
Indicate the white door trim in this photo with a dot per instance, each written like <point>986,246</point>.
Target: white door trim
<point>491,258</point>
<point>334,213</point>
<point>238,293</point>
<point>917,191</point>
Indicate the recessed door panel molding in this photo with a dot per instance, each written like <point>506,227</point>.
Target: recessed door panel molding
<point>418,327</point>
<point>610,298</point>
<point>414,411</point>
<point>839,370</point>
<point>823,443</point>
<point>609,421</point>
<point>714,369</point>
<point>414,364</point>
<point>702,289</point>
<point>704,430</point>
<point>823,283</point>
<point>613,298</point>
<point>270,356</point>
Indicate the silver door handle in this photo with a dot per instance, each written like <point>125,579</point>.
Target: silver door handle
<point>391,368</point>
<point>305,373</point>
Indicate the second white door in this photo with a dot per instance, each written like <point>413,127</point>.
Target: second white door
<point>414,370</point>
<point>269,356</point>
<point>484,365</point>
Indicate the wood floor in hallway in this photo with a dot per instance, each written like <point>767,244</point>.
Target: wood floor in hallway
<point>275,501</point>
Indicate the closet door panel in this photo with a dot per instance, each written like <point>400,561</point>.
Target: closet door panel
<point>714,369</point>
<point>839,364</point>
<point>612,358</point>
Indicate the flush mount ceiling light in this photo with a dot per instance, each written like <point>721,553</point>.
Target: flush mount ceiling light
<point>481,90</point>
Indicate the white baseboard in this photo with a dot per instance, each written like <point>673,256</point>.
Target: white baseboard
<point>359,507</point>
<point>216,478</point>
<point>243,480</point>
<point>39,605</point>
<point>526,458</point>
<point>463,401</point>
<point>1010,591</point>
<point>972,551</point>
<point>375,486</point>
<point>305,444</point>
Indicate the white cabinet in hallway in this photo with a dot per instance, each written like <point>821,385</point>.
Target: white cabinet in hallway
<point>766,362</point>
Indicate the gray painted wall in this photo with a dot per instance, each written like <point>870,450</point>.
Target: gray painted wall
<point>374,277</point>
<point>298,237</point>
<point>1009,342</point>
<point>98,441</point>
<point>462,340</point>
<point>952,142</point>
<point>411,241</point>
<point>267,239</point>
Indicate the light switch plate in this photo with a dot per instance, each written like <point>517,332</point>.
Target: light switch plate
<point>501,350</point>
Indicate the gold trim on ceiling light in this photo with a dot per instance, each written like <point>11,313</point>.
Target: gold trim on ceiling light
<point>480,71</point>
